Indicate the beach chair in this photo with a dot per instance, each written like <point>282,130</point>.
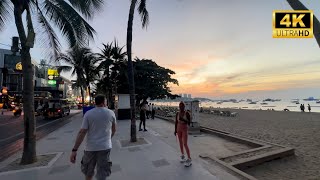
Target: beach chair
<point>216,112</point>
<point>234,114</point>
<point>225,113</point>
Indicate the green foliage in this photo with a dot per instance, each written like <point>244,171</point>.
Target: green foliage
<point>63,14</point>
<point>77,59</point>
<point>151,80</point>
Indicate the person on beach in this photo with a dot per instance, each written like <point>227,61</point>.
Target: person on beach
<point>143,109</point>
<point>99,126</point>
<point>303,108</point>
<point>183,120</point>
<point>153,111</point>
<point>309,107</point>
<point>149,111</point>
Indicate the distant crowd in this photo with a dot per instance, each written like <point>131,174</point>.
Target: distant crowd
<point>302,108</point>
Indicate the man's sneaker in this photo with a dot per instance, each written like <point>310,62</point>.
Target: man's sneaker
<point>145,130</point>
<point>140,129</point>
<point>182,159</point>
<point>188,163</point>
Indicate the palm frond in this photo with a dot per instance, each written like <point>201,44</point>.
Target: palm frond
<point>49,33</point>
<point>87,7</point>
<point>76,30</point>
<point>142,9</point>
<point>4,13</point>
<point>66,58</point>
<point>63,68</point>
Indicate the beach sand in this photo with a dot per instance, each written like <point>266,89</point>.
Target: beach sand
<point>300,131</point>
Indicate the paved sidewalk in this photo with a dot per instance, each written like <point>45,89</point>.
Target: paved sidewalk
<point>156,160</point>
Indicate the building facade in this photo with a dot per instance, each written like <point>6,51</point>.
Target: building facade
<point>12,79</point>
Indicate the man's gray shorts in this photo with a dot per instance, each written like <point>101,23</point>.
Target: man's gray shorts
<point>91,159</point>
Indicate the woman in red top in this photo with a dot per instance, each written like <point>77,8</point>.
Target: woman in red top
<point>183,119</point>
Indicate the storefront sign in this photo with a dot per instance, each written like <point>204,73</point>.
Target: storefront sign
<point>19,66</point>
<point>52,82</point>
<point>53,72</point>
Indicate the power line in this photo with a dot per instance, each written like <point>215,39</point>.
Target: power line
<point>5,44</point>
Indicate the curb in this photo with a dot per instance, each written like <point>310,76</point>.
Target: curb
<point>244,163</point>
<point>17,144</point>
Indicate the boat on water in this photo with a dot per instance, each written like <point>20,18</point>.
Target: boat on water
<point>318,102</point>
<point>296,101</point>
<point>220,102</point>
<point>311,99</point>
<point>253,102</point>
<point>264,103</point>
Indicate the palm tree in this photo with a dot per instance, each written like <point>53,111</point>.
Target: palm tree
<point>111,55</point>
<point>297,5</point>
<point>77,58</point>
<point>142,9</point>
<point>65,15</point>
<point>106,56</point>
<point>90,70</point>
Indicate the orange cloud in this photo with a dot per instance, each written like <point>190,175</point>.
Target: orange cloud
<point>240,83</point>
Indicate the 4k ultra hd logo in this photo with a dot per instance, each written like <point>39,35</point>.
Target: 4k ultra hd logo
<point>292,24</point>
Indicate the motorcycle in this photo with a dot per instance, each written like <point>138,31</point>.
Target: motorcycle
<point>17,111</point>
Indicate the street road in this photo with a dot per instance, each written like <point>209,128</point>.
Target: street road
<point>11,130</point>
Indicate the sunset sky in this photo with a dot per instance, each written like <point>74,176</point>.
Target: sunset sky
<point>218,48</point>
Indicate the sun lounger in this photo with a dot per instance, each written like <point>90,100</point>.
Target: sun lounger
<point>234,114</point>
<point>216,112</point>
<point>225,113</point>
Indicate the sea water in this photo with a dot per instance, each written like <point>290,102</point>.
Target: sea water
<point>276,105</point>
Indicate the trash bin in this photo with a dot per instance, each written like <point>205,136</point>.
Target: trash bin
<point>86,108</point>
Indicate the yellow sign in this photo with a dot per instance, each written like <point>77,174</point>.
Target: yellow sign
<point>19,66</point>
<point>53,72</point>
<point>292,24</point>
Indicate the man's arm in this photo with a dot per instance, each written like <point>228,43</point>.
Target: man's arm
<point>82,133</point>
<point>113,129</point>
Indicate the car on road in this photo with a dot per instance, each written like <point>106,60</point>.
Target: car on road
<point>56,108</point>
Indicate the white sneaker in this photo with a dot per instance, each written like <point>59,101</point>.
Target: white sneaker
<point>188,163</point>
<point>182,159</point>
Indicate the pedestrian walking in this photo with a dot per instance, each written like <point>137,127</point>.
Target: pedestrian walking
<point>99,126</point>
<point>183,120</point>
<point>148,111</point>
<point>309,107</point>
<point>303,108</point>
<point>143,109</point>
<point>153,111</point>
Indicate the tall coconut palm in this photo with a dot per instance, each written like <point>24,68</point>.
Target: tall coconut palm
<point>106,56</point>
<point>142,9</point>
<point>77,58</point>
<point>297,5</point>
<point>110,55</point>
<point>90,70</point>
<point>65,15</point>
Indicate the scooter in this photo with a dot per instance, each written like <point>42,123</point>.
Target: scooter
<point>17,111</point>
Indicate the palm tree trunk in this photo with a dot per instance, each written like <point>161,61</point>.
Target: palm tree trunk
<point>89,92</point>
<point>297,5</point>
<point>109,88</point>
<point>29,146</point>
<point>82,96</point>
<point>130,72</point>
